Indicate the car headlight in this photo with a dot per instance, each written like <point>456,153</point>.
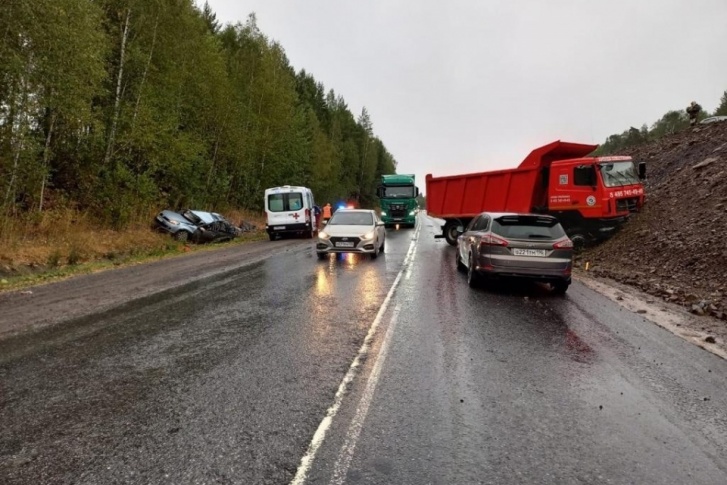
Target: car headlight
<point>174,223</point>
<point>383,213</point>
<point>323,235</point>
<point>368,235</point>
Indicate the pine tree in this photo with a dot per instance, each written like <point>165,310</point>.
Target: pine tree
<point>722,108</point>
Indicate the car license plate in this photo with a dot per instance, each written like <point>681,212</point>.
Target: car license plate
<point>530,252</point>
<point>278,228</point>
<point>344,244</point>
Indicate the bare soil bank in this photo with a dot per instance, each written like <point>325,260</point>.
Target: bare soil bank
<point>676,248</point>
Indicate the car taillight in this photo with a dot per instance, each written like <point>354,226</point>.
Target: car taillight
<point>490,240</point>
<point>307,215</point>
<point>563,244</point>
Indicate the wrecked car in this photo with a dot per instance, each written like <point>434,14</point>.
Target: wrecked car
<point>196,226</point>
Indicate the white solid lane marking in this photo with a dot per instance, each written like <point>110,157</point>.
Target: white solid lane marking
<point>343,462</point>
<point>307,461</point>
<point>409,268</point>
<point>414,254</point>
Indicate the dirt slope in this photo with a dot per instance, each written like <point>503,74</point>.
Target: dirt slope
<point>676,248</point>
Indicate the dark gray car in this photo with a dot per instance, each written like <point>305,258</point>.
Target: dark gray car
<point>530,246</point>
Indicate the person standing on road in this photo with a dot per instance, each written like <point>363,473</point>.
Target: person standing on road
<point>693,111</point>
<point>317,213</point>
<point>326,212</point>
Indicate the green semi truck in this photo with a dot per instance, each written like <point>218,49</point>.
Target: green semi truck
<point>398,199</point>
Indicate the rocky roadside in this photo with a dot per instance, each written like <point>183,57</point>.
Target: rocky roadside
<point>704,331</point>
<point>676,248</point>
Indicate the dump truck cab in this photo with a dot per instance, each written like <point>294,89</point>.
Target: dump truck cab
<point>593,196</point>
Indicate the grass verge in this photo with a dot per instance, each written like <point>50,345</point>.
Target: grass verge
<point>64,244</point>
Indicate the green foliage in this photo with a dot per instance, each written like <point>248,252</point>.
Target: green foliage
<point>670,123</point>
<point>722,108</point>
<point>118,106</point>
<point>673,121</point>
<point>51,67</point>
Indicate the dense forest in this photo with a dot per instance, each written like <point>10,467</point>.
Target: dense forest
<point>671,122</point>
<point>117,107</point>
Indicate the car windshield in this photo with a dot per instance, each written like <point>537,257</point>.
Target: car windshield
<point>527,227</point>
<point>351,219</point>
<point>616,174</point>
<point>191,217</point>
<point>204,217</point>
<point>401,192</point>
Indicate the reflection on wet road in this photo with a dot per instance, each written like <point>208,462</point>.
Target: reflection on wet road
<point>225,380</point>
<point>512,384</point>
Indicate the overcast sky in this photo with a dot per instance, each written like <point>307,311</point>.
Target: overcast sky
<point>456,86</point>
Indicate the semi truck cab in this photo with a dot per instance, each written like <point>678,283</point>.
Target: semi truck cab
<point>397,196</point>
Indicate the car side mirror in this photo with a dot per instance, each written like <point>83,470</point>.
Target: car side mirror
<point>379,223</point>
<point>417,194</point>
<point>325,221</point>
<point>642,170</point>
<point>380,192</point>
<point>460,230</point>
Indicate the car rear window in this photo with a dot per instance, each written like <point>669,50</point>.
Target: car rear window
<point>527,227</point>
<point>285,202</point>
<point>351,219</point>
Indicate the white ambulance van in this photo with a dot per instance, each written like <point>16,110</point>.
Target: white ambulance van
<point>289,210</point>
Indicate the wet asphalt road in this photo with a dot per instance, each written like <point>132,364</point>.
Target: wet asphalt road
<point>226,380</point>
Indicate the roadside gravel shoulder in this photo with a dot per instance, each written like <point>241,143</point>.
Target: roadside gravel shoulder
<point>705,332</point>
<point>40,306</point>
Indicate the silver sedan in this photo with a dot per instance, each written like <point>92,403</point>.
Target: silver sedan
<point>352,231</point>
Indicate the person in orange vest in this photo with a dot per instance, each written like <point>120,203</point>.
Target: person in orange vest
<point>326,212</point>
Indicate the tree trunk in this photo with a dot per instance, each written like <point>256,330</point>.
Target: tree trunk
<point>363,162</point>
<point>143,77</point>
<point>46,155</point>
<point>117,100</point>
<point>214,160</point>
<point>17,137</point>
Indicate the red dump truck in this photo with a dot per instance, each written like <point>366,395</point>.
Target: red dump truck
<point>591,196</point>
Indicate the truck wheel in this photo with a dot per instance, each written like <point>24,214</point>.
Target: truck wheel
<point>450,232</point>
<point>580,240</point>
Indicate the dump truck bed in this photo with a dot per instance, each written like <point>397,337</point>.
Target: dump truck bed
<point>510,190</point>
